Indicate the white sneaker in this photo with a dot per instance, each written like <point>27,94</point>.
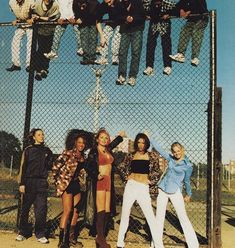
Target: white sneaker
<point>132,81</point>
<point>195,62</point>
<point>80,52</point>
<point>43,240</point>
<point>121,80</point>
<point>179,57</point>
<point>148,71</point>
<point>115,61</point>
<point>101,61</point>
<point>20,237</point>
<point>167,70</point>
<point>51,55</point>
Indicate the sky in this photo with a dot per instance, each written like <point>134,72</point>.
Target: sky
<point>225,70</point>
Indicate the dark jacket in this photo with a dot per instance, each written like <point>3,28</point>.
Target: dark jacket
<point>195,6</point>
<point>35,163</point>
<point>137,11</point>
<point>93,170</point>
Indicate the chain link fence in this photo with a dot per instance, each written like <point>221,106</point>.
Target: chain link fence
<point>73,95</point>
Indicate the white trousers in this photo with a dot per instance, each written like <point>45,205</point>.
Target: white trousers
<point>108,33</point>
<point>16,43</point>
<point>178,203</point>
<point>135,191</point>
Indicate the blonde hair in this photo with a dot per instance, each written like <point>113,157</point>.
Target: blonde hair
<point>177,144</point>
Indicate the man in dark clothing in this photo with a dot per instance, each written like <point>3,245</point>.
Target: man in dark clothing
<point>132,19</point>
<point>197,19</point>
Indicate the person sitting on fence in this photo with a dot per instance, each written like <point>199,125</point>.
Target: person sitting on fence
<point>160,24</point>
<point>45,10</point>
<point>66,15</point>
<point>100,169</point>
<point>86,14</point>
<point>111,29</point>
<point>197,19</point>
<point>141,171</point>
<point>132,19</point>
<point>177,173</point>
<point>22,9</point>
<point>35,163</point>
<point>70,179</point>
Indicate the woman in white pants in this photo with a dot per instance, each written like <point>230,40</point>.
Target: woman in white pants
<point>178,173</point>
<point>141,171</point>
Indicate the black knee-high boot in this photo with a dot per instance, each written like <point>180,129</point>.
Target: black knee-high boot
<point>100,239</point>
<point>63,240</point>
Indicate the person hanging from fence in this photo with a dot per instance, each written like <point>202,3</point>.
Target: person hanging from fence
<point>111,30</point>
<point>176,175</point>
<point>36,160</point>
<point>141,171</point>
<point>22,9</point>
<point>160,25</point>
<point>70,179</point>
<point>44,11</point>
<point>197,20</point>
<point>86,14</point>
<point>132,20</point>
<point>100,169</point>
<point>66,16</point>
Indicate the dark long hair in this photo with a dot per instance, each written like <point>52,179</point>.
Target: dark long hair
<point>146,141</point>
<point>29,140</point>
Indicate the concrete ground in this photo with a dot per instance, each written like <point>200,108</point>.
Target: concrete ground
<point>7,239</point>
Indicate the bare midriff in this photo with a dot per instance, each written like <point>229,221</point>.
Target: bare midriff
<point>141,178</point>
<point>105,169</point>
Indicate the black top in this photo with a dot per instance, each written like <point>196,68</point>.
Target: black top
<point>140,166</point>
<point>36,161</point>
<point>80,166</point>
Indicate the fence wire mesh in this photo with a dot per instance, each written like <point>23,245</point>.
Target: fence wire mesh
<point>73,95</point>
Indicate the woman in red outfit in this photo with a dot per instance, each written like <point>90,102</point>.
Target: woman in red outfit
<point>100,161</point>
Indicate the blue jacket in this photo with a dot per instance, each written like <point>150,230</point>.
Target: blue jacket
<point>176,174</point>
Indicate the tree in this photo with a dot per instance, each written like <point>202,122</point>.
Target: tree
<point>10,147</point>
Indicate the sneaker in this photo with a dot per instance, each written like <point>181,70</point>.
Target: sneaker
<point>80,52</point>
<point>179,57</point>
<point>101,61</point>
<point>20,237</point>
<point>148,71</point>
<point>38,76</point>
<point>195,62</point>
<point>132,81</point>
<point>51,55</point>
<point>44,73</point>
<point>14,68</point>
<point>43,240</point>
<point>167,70</point>
<point>115,60</point>
<point>121,80</point>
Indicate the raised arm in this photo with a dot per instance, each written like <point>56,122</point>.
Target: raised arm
<point>157,147</point>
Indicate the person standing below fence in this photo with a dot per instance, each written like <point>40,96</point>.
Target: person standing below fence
<point>100,168</point>
<point>111,29</point>
<point>22,9</point>
<point>197,19</point>
<point>177,173</point>
<point>45,11</point>
<point>160,24</point>
<point>66,15</point>
<point>35,163</point>
<point>69,175</point>
<point>132,19</point>
<point>141,171</point>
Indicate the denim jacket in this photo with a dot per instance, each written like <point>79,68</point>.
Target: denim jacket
<point>176,174</point>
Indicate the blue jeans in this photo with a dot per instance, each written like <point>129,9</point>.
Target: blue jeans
<point>133,40</point>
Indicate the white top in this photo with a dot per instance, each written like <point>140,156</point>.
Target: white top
<point>66,9</point>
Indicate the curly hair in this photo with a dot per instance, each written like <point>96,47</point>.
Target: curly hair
<point>74,134</point>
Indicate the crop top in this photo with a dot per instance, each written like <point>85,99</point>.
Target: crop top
<point>140,166</point>
<point>105,158</point>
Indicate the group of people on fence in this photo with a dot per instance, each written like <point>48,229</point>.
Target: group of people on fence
<point>125,25</point>
<point>84,178</point>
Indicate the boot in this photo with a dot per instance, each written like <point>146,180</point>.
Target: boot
<point>106,223</point>
<point>62,239</point>
<point>72,240</point>
<point>100,239</point>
